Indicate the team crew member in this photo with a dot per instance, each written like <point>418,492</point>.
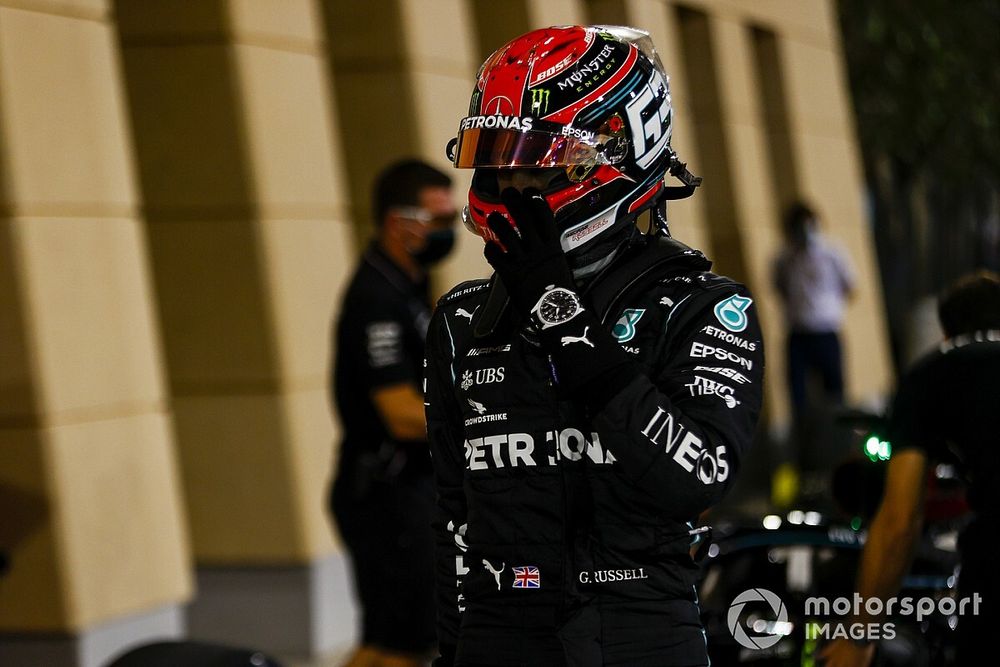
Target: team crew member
<point>947,408</point>
<point>383,493</point>
<point>594,396</point>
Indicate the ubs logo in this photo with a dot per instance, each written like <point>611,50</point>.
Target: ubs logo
<point>482,376</point>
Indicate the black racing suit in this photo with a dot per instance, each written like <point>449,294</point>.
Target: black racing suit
<point>382,497</point>
<point>564,537</point>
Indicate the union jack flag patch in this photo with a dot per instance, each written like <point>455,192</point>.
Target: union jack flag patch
<point>527,577</point>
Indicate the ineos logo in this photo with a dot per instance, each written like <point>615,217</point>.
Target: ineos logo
<point>739,630</point>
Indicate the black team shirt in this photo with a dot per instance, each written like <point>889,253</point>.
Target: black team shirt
<point>379,342</point>
<point>948,405</point>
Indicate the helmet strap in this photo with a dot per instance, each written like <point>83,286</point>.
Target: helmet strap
<point>679,170</point>
<point>658,223</point>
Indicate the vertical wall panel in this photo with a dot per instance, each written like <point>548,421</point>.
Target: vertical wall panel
<point>404,97</point>
<point>86,445</point>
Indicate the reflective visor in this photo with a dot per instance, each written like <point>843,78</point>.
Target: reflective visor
<point>505,147</point>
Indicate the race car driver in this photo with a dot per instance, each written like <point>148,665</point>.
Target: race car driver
<point>600,391</point>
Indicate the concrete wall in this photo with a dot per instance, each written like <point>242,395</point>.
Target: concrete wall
<point>93,518</point>
<point>184,188</point>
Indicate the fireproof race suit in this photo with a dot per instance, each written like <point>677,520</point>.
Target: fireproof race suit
<point>563,534</point>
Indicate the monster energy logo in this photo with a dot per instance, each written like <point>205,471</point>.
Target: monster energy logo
<point>540,100</point>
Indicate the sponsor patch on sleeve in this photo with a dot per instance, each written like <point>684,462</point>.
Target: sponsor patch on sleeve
<point>731,312</point>
<point>385,344</point>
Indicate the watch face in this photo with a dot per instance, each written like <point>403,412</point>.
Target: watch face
<point>558,306</point>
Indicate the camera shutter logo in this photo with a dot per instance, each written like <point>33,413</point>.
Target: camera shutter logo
<point>738,630</point>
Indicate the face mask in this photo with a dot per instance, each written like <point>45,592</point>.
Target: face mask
<point>438,244</point>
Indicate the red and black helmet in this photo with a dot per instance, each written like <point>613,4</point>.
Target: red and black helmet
<point>593,101</point>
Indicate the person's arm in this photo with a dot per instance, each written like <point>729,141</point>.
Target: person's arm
<point>390,373</point>
<point>680,436</point>
<point>845,272</point>
<point>894,532</point>
<point>401,408</point>
<point>444,433</point>
<point>677,440</point>
<point>889,549</point>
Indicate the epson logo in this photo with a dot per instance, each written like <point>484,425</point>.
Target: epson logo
<point>577,133</point>
<point>701,351</point>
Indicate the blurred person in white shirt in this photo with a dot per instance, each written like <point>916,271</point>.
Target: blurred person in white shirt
<point>815,281</point>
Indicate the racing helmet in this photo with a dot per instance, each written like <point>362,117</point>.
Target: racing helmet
<point>589,103</point>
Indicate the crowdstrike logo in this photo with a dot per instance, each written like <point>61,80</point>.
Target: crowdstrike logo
<point>767,633</point>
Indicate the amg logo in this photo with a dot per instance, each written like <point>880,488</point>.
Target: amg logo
<point>477,351</point>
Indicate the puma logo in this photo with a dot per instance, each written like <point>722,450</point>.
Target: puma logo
<point>568,340</point>
<point>477,406</point>
<point>462,312</point>
<point>495,572</point>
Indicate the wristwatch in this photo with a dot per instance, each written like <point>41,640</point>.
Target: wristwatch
<point>556,305</point>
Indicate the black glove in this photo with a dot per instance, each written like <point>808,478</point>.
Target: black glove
<point>533,261</point>
<point>589,363</point>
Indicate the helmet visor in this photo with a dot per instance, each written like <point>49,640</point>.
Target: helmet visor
<point>504,147</point>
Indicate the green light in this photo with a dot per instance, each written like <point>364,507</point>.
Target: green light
<point>884,450</point>
<point>856,523</point>
<point>872,447</point>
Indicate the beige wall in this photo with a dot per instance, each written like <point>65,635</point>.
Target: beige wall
<point>403,99</point>
<point>250,246</point>
<point>84,421</point>
<point>194,327</point>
